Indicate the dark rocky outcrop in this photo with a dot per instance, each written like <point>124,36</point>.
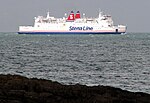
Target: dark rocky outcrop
<point>18,89</point>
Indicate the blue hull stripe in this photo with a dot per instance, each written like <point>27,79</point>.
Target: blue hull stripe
<point>46,33</point>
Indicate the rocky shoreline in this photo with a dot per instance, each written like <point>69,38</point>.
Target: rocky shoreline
<point>19,89</point>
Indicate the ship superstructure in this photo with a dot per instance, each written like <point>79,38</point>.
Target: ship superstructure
<point>73,24</point>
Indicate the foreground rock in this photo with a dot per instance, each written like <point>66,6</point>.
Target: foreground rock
<point>18,89</point>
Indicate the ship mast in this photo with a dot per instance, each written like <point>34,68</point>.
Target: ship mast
<point>48,15</point>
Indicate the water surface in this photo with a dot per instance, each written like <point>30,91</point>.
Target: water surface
<point>121,61</point>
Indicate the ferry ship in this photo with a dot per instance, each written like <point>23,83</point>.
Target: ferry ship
<point>73,24</point>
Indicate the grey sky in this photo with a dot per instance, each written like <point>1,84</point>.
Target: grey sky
<point>133,13</point>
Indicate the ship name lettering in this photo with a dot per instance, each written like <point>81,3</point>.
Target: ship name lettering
<point>83,28</point>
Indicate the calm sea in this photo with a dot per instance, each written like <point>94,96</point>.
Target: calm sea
<point>121,61</point>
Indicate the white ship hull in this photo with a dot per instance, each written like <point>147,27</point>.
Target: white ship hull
<point>67,30</point>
